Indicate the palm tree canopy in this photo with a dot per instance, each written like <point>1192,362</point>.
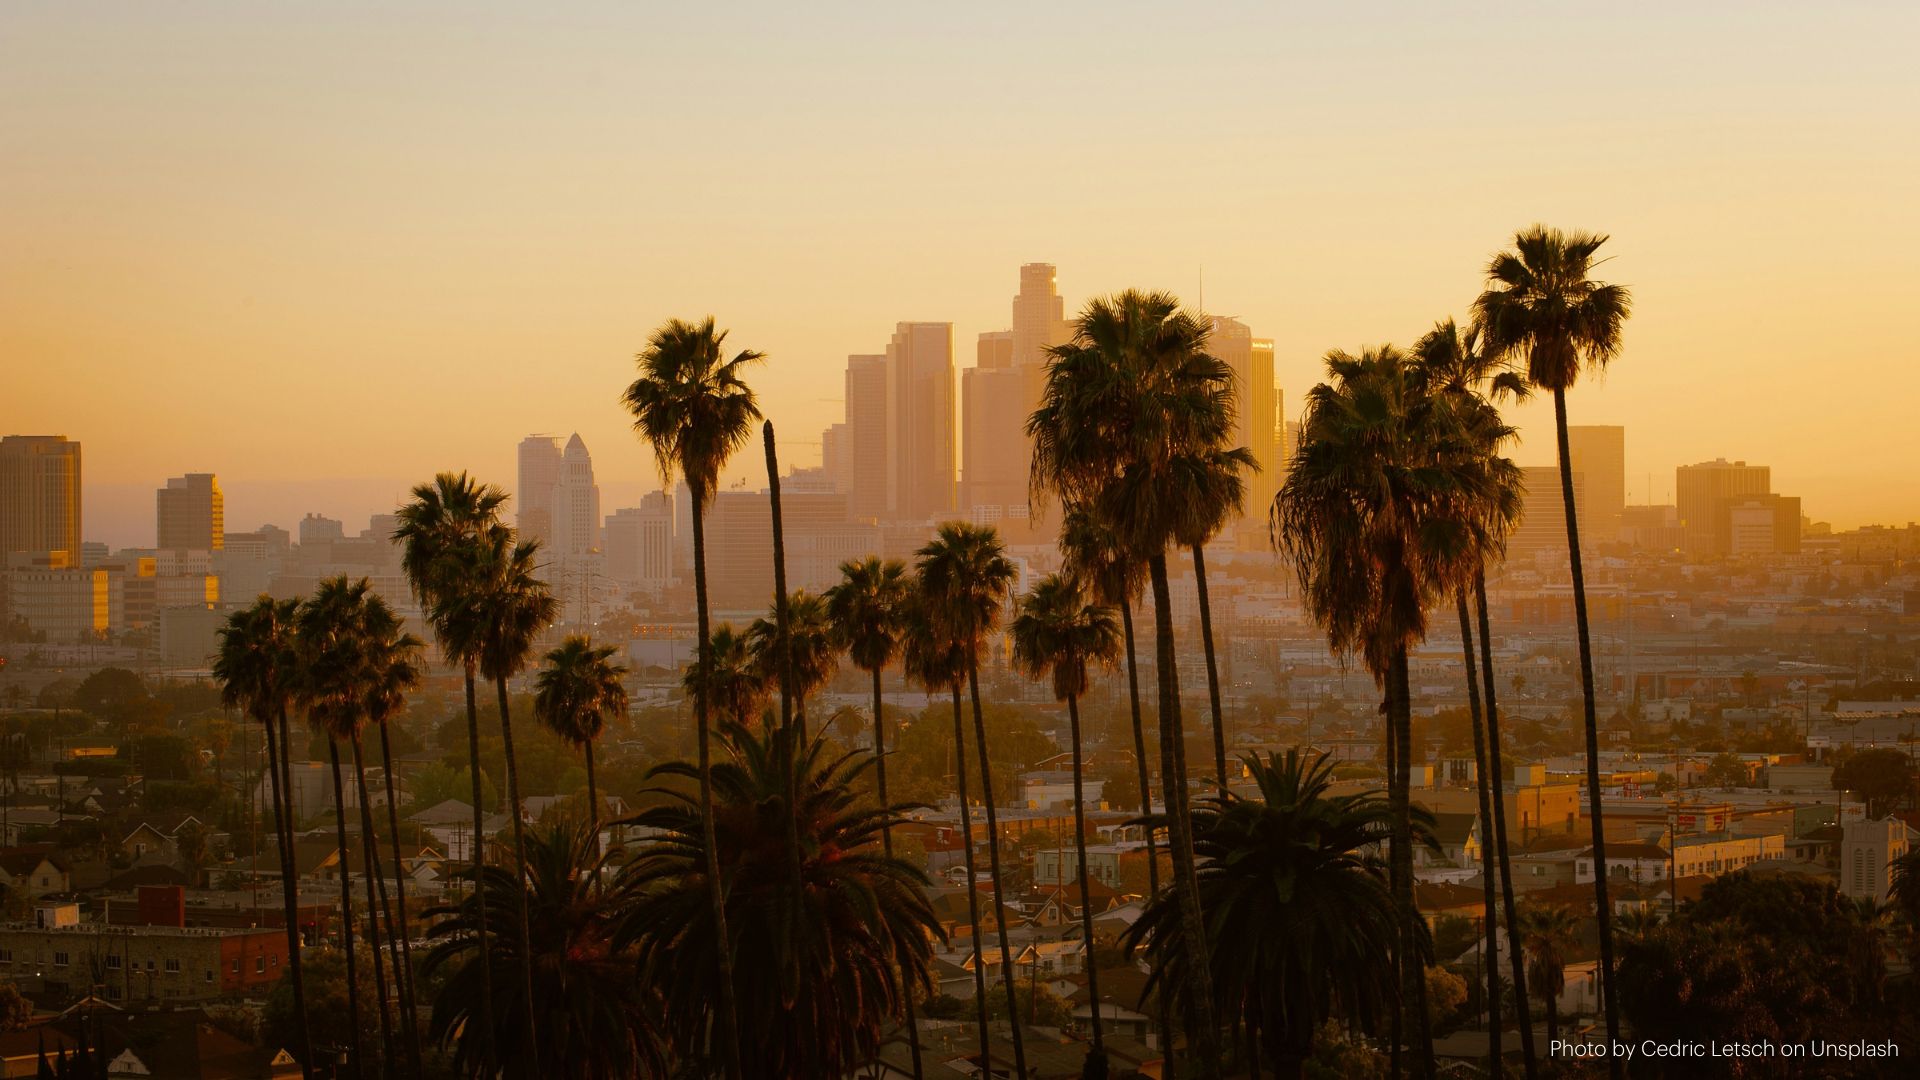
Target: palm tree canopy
<point>736,689</point>
<point>691,403</point>
<point>500,607</point>
<point>1549,933</point>
<point>860,941</point>
<point>256,664</point>
<point>1094,556</point>
<point>930,654</point>
<point>1465,381</point>
<point>334,657</point>
<point>392,658</point>
<point>578,688</point>
<point>964,577</point>
<point>1057,633</point>
<point>866,610</point>
<point>816,655</point>
<point>1543,307</point>
<point>1209,486</point>
<point>444,514</point>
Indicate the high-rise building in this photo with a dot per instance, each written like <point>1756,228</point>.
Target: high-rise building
<point>920,357</point>
<point>995,450</point>
<point>1600,454</point>
<point>1763,525</point>
<point>40,496</point>
<point>1039,316</point>
<point>869,404</point>
<point>1256,406</point>
<point>639,543</point>
<point>836,456</point>
<point>574,506</point>
<point>1705,494</point>
<point>190,514</point>
<point>1542,529</point>
<point>318,529</point>
<point>540,462</point>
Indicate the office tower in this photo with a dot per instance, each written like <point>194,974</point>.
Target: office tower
<point>683,531</point>
<point>1256,405</point>
<point>1763,525</point>
<point>1651,528</point>
<point>920,357</point>
<point>40,496</point>
<point>1705,494</point>
<point>995,450</point>
<point>573,506</point>
<point>836,456</point>
<point>639,543</point>
<point>1542,529</point>
<point>190,514</point>
<point>869,438</point>
<point>1599,453</point>
<point>1039,319</point>
<point>319,529</point>
<point>540,463</point>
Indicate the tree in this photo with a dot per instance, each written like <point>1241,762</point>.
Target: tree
<point>1305,925</point>
<point>1210,488</point>
<point>594,1010</point>
<point>256,666</point>
<point>1548,934</point>
<point>1058,635</point>
<point>15,1010</point>
<point>691,404</point>
<point>734,687</point>
<point>342,1012</point>
<point>393,668</point>
<point>1126,405</point>
<point>1543,308</point>
<point>813,654</point>
<point>1880,776</point>
<point>1727,771</point>
<point>867,927</point>
<point>575,693</point>
<point>964,577</point>
<point>113,694</point>
<point>439,533</point>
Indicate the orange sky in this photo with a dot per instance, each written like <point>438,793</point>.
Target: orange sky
<point>324,252</point>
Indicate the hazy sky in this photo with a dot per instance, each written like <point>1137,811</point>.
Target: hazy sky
<point>326,250</point>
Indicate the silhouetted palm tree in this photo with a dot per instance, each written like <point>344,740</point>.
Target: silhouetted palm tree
<point>1125,402</point>
<point>814,655</point>
<point>1210,487</point>
<point>575,694</point>
<point>1304,925</point>
<point>692,406</point>
<point>1543,308</point>
<point>595,1012</point>
<point>257,667</point>
<point>440,532</point>
<point>736,688</point>
<point>866,928</point>
<point>1058,635</point>
<point>392,668</point>
<point>1548,934</point>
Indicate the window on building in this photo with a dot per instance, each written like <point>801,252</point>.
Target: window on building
<point>6,956</point>
<point>173,967</point>
<point>209,974</point>
<point>236,965</point>
<point>59,959</point>
<point>113,962</point>
<point>259,965</point>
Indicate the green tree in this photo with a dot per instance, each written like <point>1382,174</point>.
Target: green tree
<point>342,1012</point>
<point>392,668</point>
<point>691,404</point>
<point>1209,484</point>
<point>1548,935</point>
<point>812,652</point>
<point>731,683</point>
<point>575,693</point>
<point>1880,776</point>
<point>1543,308</point>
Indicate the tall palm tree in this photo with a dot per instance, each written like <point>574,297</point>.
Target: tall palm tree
<point>1058,635</point>
<point>333,694</point>
<point>1305,927</point>
<point>691,404</point>
<point>574,695</point>
<point>392,669</point>
<point>595,1012</point>
<point>814,656</point>
<point>257,668</point>
<point>866,928</point>
<point>499,616</point>
<point>1211,488</point>
<point>1381,514</point>
<point>440,532</point>
<point>936,660</point>
<point>1468,380</point>
<point>866,612</point>
<point>735,689</point>
<point>1543,308</point>
<point>964,579</point>
<point>1548,934</point>
<point>1126,404</point>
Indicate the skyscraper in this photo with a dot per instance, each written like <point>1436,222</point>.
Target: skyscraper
<point>836,456</point>
<point>1039,318</point>
<point>639,543</point>
<point>1542,528</point>
<point>1256,406</point>
<point>1705,494</point>
<point>190,514</point>
<point>869,402</point>
<point>920,357</point>
<point>574,505</point>
<point>993,440</point>
<point>540,461</point>
<point>40,496</point>
<point>1599,454</point>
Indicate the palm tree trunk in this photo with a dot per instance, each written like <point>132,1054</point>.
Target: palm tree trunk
<point>593,811</point>
<point>376,904</point>
<point>289,896</point>
<point>727,1049</point>
<point>1203,1032</point>
<point>973,892</point>
<point>1080,844</point>
<point>519,871</point>
<point>489,1055</point>
<point>346,914</point>
<point>1490,918</point>
<point>1146,808</point>
<point>780,589</point>
<point>1553,1014</point>
<point>993,862</point>
<point>1603,911</point>
<point>1400,862</point>
<point>410,1014</point>
<point>886,844</point>
<point>1523,1013</point>
<point>1213,674</point>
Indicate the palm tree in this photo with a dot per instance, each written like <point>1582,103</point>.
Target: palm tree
<point>1381,514</point>
<point>257,669</point>
<point>498,616</point>
<point>392,669</point>
<point>1211,489</point>
<point>1305,927</point>
<point>964,579</point>
<point>813,654</point>
<point>595,1012</point>
<point>736,689</point>
<point>1454,366</point>
<point>440,532</point>
<point>866,613</point>
<point>1127,404</point>
<point>1904,896</point>
<point>574,695</point>
<point>692,406</point>
<point>333,693</point>
<point>1548,933</point>
<point>1543,308</point>
<point>866,926</point>
<point>1057,634</point>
